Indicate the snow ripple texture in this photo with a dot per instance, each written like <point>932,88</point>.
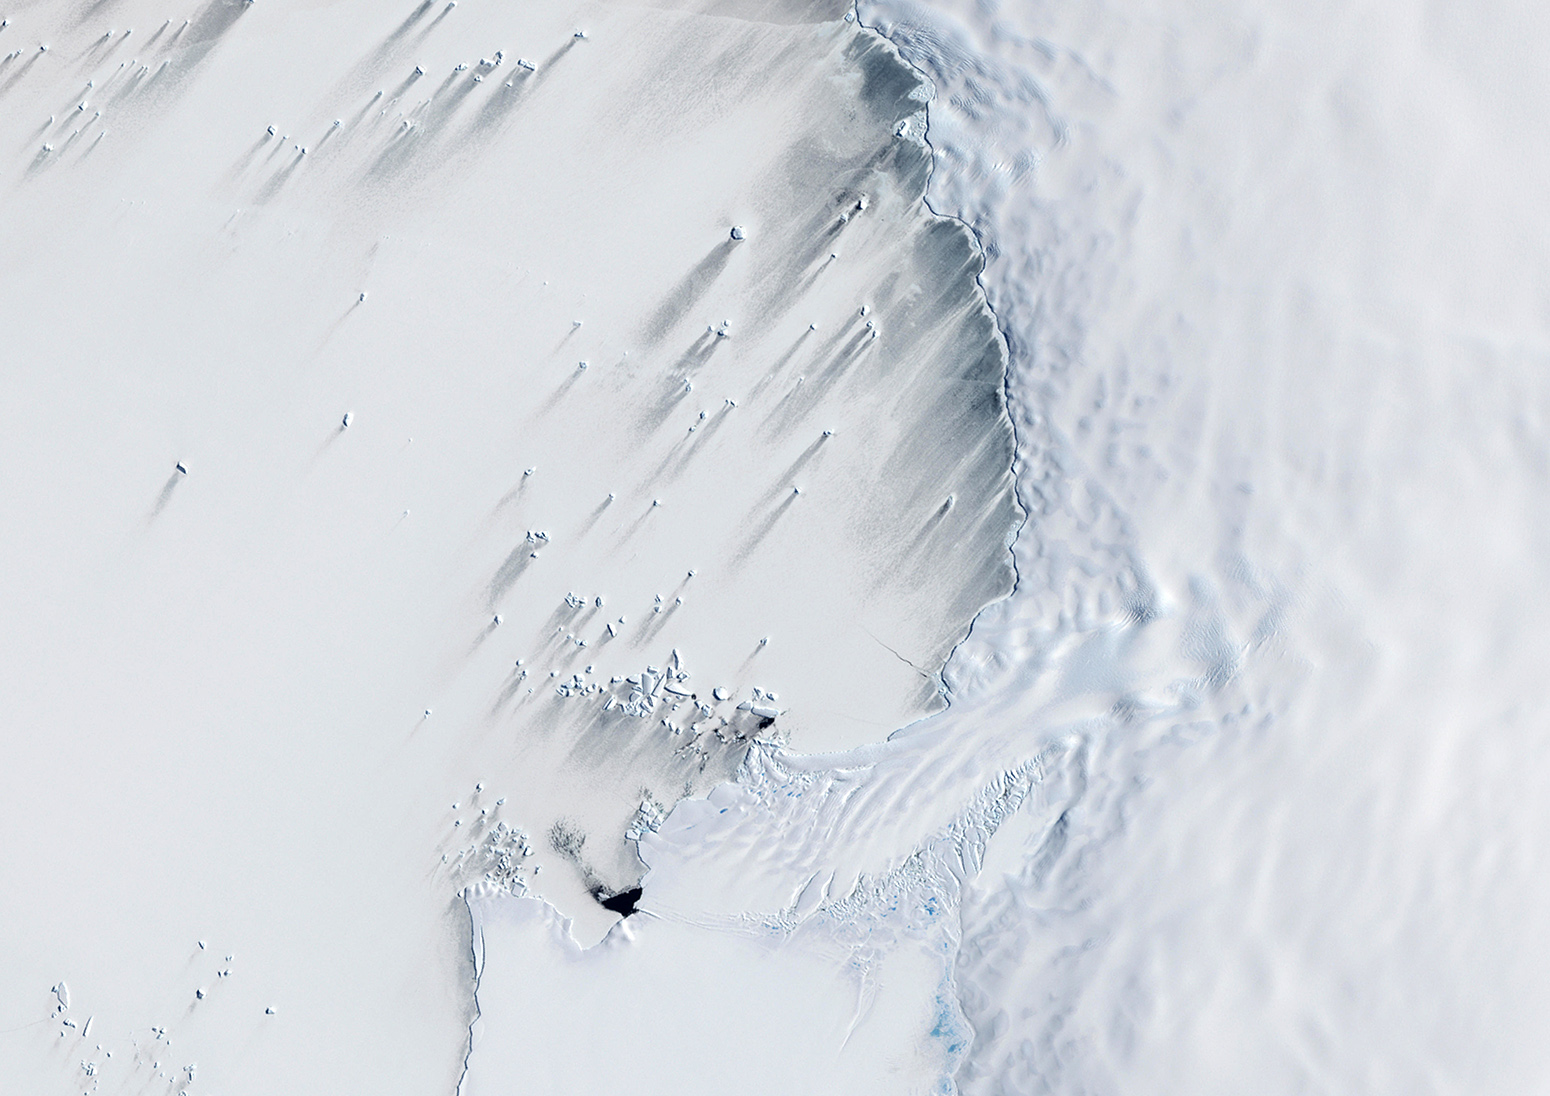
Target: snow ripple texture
<point>1243,789</point>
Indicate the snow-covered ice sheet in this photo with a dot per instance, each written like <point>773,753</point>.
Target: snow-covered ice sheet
<point>436,441</point>
<point>1243,789</point>
<point>1274,280</point>
<point>666,1006</point>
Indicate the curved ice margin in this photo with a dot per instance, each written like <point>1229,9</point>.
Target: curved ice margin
<point>927,869</point>
<point>1006,342</point>
<point>476,957</point>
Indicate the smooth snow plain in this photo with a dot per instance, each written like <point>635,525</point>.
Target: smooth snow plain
<point>1241,789</point>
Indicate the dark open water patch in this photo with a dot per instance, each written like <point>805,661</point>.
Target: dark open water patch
<point>622,903</point>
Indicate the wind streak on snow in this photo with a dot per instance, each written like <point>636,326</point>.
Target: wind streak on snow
<point>489,479</point>
<point>1180,206</point>
<point>826,840</point>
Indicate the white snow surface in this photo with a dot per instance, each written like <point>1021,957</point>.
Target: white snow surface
<point>1245,788</point>
<point>1275,280</point>
<point>414,483</point>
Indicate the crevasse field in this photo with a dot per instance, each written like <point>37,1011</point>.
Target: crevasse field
<point>767,547</point>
